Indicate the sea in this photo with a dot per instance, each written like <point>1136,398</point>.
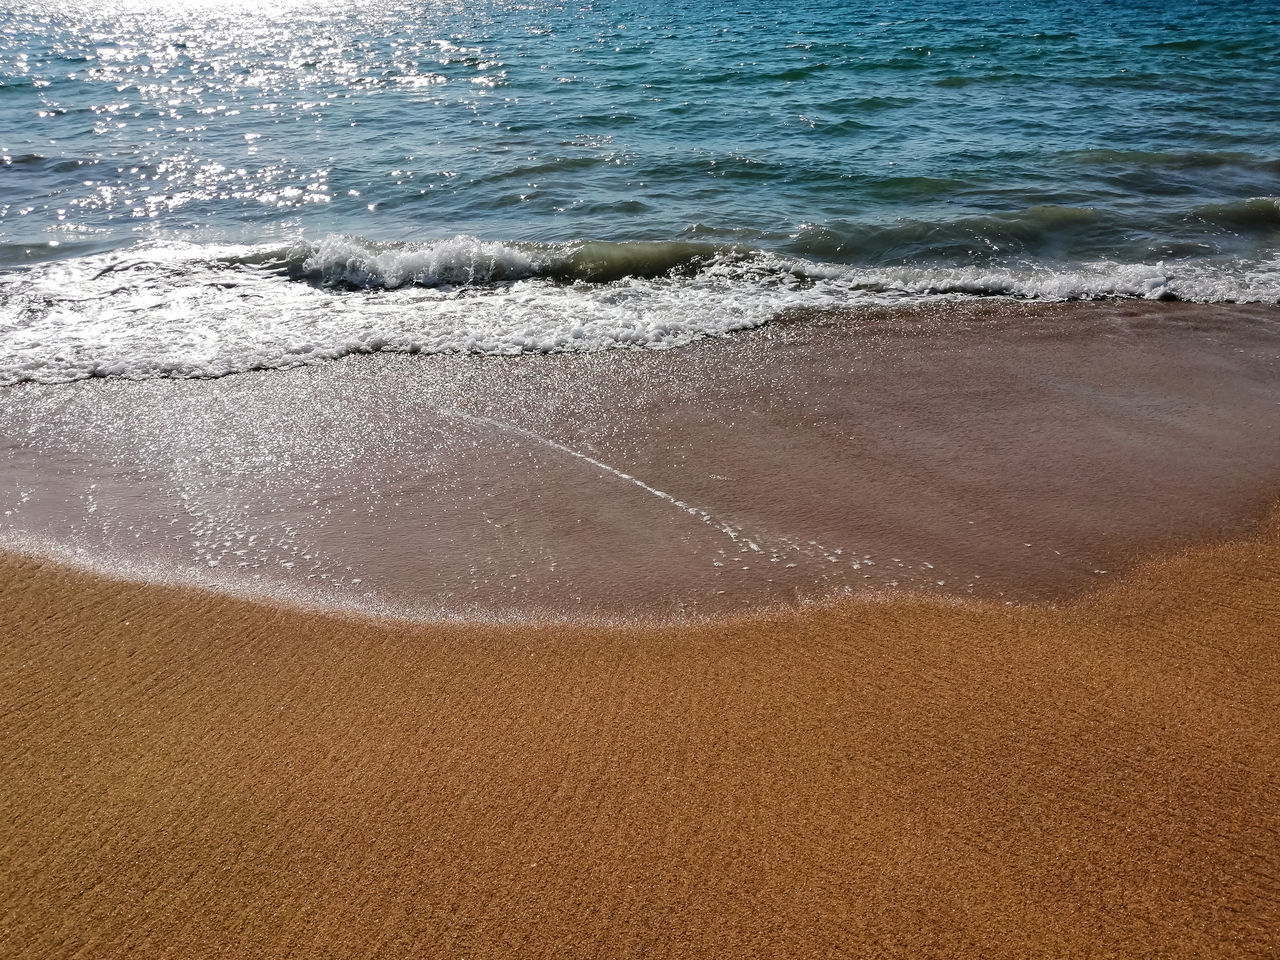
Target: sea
<point>198,189</point>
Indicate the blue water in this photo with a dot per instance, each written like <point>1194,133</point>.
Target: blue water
<point>201,188</point>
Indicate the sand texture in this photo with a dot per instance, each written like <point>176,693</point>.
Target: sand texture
<point>187,775</point>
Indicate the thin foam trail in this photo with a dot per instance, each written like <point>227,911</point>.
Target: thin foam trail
<point>729,530</point>
<point>736,534</point>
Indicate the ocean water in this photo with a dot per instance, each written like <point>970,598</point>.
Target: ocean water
<point>201,188</point>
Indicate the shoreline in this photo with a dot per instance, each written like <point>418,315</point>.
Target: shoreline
<point>1007,451</point>
<point>60,563</point>
<point>913,777</point>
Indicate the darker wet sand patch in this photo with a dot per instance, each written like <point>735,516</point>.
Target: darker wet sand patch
<point>993,449</point>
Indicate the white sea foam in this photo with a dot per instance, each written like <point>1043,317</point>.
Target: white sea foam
<point>164,311</point>
<point>457,261</point>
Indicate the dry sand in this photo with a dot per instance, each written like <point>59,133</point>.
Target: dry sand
<point>188,775</point>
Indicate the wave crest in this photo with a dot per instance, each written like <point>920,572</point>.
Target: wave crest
<point>355,263</point>
<point>361,264</point>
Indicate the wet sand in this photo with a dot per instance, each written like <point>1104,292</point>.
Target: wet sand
<point>997,450</point>
<point>187,772</point>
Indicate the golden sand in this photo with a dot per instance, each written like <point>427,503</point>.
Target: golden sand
<point>188,775</point>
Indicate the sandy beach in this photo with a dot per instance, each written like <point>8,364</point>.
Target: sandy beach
<point>639,481</point>
<point>1070,764</point>
<point>188,775</point>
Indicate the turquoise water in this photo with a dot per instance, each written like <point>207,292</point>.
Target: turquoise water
<point>194,189</point>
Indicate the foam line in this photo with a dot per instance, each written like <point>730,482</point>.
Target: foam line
<point>206,311</point>
<point>732,532</point>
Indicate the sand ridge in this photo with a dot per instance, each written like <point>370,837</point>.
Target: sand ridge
<point>191,775</point>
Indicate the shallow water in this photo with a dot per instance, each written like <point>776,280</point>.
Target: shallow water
<point>199,189</point>
<point>1010,452</point>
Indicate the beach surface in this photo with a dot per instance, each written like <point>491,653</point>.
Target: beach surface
<point>1068,762</point>
<point>187,774</point>
<point>994,449</point>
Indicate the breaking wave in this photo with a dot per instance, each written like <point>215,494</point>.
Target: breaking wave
<point>202,311</point>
